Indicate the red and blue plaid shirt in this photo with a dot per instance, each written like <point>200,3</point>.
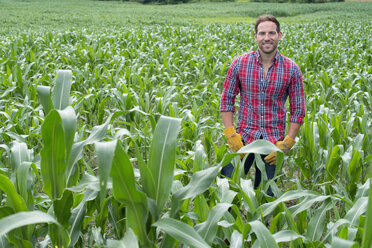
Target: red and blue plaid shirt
<point>262,111</point>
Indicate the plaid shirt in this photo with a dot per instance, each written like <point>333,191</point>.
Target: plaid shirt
<point>262,110</point>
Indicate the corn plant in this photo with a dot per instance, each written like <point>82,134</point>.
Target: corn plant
<point>124,146</point>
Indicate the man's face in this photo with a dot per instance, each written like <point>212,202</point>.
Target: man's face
<point>267,37</point>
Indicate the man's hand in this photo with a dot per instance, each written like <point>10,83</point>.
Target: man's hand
<point>233,139</point>
<point>284,145</point>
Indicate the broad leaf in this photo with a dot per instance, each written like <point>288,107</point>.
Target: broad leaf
<point>61,90</point>
<point>128,241</point>
<point>199,183</point>
<point>182,232</point>
<point>162,159</point>
<point>28,218</point>
<point>45,98</point>
<point>259,147</point>
<point>208,229</point>
<point>58,133</point>
<point>264,236</point>
<point>125,191</point>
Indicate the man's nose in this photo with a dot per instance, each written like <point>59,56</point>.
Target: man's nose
<point>267,37</point>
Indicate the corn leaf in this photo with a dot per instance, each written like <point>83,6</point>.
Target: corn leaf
<point>259,147</point>
<point>208,229</point>
<point>125,191</point>
<point>21,219</point>
<point>367,237</point>
<point>290,195</point>
<point>287,236</point>
<point>45,98</point>
<point>199,182</point>
<point>264,236</point>
<point>359,208</point>
<point>14,200</point>
<point>128,241</point>
<point>182,232</point>
<point>162,159</point>
<point>343,243</point>
<point>58,132</point>
<point>97,134</point>
<point>18,154</point>
<point>236,240</point>
<point>61,90</point>
<point>316,224</point>
<point>105,150</point>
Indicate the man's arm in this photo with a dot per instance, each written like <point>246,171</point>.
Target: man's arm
<point>228,119</point>
<point>293,129</point>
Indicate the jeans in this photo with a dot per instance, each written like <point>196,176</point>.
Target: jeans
<point>227,171</point>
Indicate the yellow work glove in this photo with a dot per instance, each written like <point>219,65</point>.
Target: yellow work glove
<point>233,139</point>
<point>284,145</point>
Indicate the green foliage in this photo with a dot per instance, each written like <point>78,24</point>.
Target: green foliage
<point>88,157</point>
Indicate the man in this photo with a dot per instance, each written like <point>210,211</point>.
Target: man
<point>264,79</point>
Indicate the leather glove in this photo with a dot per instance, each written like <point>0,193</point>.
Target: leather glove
<point>234,139</point>
<point>284,145</point>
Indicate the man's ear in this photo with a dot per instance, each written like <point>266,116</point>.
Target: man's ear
<point>280,35</point>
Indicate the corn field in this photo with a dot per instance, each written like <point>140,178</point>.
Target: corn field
<point>113,138</point>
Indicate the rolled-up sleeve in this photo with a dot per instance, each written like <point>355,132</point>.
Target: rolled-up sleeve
<point>231,88</point>
<point>297,97</point>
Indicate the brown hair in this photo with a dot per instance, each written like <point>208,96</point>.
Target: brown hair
<point>265,18</point>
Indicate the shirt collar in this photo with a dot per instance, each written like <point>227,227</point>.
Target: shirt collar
<point>258,57</point>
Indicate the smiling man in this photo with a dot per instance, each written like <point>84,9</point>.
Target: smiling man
<point>265,79</point>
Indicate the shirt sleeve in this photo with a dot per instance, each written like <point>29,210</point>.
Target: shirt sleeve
<point>231,88</point>
<point>297,97</point>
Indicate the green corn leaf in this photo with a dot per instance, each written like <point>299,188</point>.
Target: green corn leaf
<point>367,237</point>
<point>290,195</point>
<point>182,232</point>
<point>105,150</point>
<point>208,229</point>
<point>125,191</point>
<point>236,240</point>
<point>24,182</point>
<point>45,98</point>
<point>199,157</point>
<point>333,161</point>
<point>128,241</point>
<point>249,195</point>
<point>334,226</point>
<point>353,170</point>
<point>287,236</point>
<point>61,90</point>
<point>97,134</point>
<point>77,216</point>
<point>62,208</point>
<point>259,147</point>
<point>264,236</point>
<point>14,200</point>
<point>199,183</point>
<point>306,204</point>
<point>227,195</point>
<point>88,182</point>
<point>58,133</point>
<point>162,159</point>
<point>359,208</point>
<point>21,219</point>
<point>343,243</point>
<point>201,207</point>
<point>316,224</point>
<point>18,154</point>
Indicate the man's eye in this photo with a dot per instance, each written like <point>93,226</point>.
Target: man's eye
<point>272,33</point>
